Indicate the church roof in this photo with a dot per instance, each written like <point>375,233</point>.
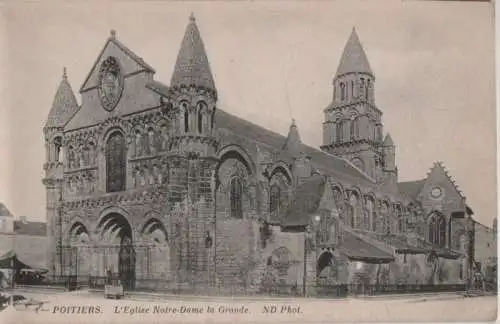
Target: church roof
<point>328,164</point>
<point>353,58</point>
<point>388,140</point>
<point>4,211</point>
<point>64,105</point>
<point>112,39</point>
<point>357,249</point>
<point>192,66</point>
<point>158,87</point>
<point>411,188</point>
<point>306,200</point>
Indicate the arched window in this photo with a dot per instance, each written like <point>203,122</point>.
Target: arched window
<point>353,202</point>
<point>116,162</point>
<point>138,143</point>
<point>186,117</point>
<point>236,198</point>
<point>352,128</point>
<point>151,141</point>
<point>92,153</point>
<point>57,148</point>
<point>212,121</point>
<point>369,212</point>
<point>201,108</point>
<point>86,156</point>
<point>200,122</point>
<point>401,220</point>
<point>71,157</point>
<point>437,230</point>
<point>338,130</point>
<point>342,91</point>
<point>350,215</point>
<point>274,202</point>
<point>367,91</point>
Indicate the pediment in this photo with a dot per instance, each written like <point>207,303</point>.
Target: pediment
<point>440,190</point>
<point>130,63</point>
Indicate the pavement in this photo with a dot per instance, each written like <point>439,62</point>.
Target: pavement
<point>150,296</point>
<point>69,307</point>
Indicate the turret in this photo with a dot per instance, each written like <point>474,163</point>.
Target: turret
<point>353,124</point>
<point>389,161</point>
<point>293,148</point>
<point>63,108</point>
<point>194,96</point>
<point>354,80</point>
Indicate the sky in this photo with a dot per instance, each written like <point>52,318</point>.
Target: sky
<point>272,61</point>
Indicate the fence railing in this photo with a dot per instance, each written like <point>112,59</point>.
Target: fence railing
<point>146,285</point>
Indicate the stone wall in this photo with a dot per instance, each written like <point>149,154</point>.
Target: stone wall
<point>29,248</point>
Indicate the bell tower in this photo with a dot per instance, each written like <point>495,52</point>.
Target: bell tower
<point>193,152</point>
<point>353,124</point>
<point>63,108</point>
<point>194,97</point>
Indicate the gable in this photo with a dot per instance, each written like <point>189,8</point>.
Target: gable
<point>440,192</point>
<point>136,94</point>
<point>4,211</point>
<point>129,61</point>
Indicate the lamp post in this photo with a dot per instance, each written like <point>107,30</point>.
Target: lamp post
<point>316,220</point>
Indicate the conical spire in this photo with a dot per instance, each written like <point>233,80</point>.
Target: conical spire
<point>192,67</point>
<point>293,144</point>
<point>353,58</point>
<point>64,105</point>
<point>388,140</point>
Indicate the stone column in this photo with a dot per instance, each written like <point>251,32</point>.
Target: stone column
<point>310,257</point>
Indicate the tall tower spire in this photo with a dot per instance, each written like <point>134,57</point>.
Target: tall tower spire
<point>192,80</point>
<point>353,124</point>
<point>192,67</point>
<point>353,58</point>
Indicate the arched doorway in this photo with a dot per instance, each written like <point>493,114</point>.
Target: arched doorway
<point>156,263</point>
<point>324,260</point>
<point>79,239</point>
<point>119,252</point>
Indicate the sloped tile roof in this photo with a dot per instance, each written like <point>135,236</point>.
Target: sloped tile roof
<point>411,188</point>
<point>388,140</point>
<point>64,105</point>
<point>192,66</point>
<point>357,249</point>
<point>326,163</point>
<point>159,87</point>
<point>399,243</point>
<point>30,228</point>
<point>4,211</point>
<point>305,201</point>
<point>353,58</point>
<point>139,60</point>
<point>113,40</point>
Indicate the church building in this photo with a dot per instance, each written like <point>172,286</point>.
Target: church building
<point>160,185</point>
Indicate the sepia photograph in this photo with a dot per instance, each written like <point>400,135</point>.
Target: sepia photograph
<point>248,161</point>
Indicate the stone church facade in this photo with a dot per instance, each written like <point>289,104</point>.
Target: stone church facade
<point>157,184</point>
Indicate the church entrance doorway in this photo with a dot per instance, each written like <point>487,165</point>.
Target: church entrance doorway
<point>120,258</point>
